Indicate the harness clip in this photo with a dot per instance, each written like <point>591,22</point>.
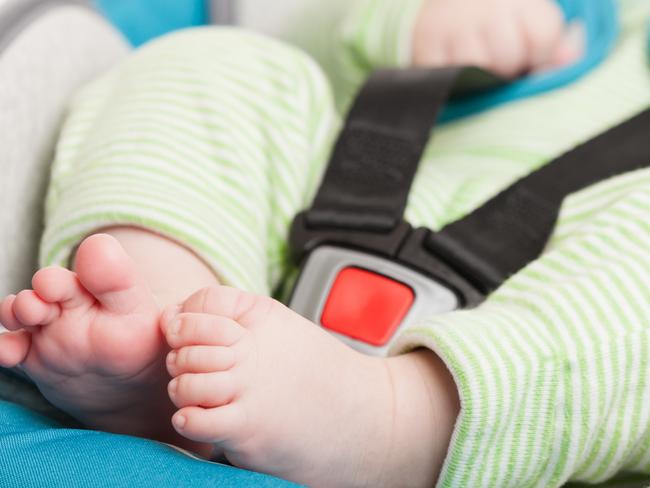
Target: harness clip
<point>354,284</point>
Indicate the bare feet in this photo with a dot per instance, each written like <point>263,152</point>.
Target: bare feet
<point>281,396</point>
<point>91,341</point>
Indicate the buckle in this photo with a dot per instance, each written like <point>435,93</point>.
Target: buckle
<point>366,300</point>
<point>304,238</point>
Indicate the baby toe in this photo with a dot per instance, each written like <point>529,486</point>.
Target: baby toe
<point>195,329</point>
<point>209,424</point>
<point>224,301</point>
<point>31,310</point>
<point>56,284</point>
<point>200,359</point>
<point>7,316</point>
<point>14,347</point>
<point>203,389</point>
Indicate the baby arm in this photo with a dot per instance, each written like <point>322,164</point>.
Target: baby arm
<point>509,37</point>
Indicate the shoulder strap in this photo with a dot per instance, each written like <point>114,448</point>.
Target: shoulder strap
<point>512,229</point>
<point>365,189</point>
<point>369,176</point>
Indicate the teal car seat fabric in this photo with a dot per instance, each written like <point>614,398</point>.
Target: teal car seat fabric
<point>36,451</point>
<point>601,24</point>
<point>142,20</point>
<point>16,389</point>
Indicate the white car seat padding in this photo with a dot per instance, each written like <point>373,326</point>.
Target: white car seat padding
<point>48,49</point>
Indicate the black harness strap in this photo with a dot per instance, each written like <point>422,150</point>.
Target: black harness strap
<point>512,229</point>
<point>363,195</point>
<point>367,182</point>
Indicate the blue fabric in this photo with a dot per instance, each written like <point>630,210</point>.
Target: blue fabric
<point>37,452</point>
<point>142,20</point>
<point>600,18</point>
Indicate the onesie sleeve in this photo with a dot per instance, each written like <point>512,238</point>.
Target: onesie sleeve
<point>553,370</point>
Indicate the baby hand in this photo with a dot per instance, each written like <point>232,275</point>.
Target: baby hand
<point>508,37</point>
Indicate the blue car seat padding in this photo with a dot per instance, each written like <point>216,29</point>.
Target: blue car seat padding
<point>36,452</point>
<point>142,20</point>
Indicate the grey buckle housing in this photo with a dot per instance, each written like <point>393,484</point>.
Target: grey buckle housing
<point>325,263</point>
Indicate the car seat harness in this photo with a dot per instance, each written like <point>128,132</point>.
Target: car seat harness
<point>366,274</point>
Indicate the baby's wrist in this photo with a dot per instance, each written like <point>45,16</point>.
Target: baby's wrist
<point>427,405</point>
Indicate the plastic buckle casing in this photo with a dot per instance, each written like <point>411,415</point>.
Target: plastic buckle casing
<point>355,284</point>
<point>321,285</point>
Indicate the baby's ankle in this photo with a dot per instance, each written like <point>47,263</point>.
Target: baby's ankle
<point>425,410</point>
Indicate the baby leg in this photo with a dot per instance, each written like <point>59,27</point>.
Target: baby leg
<point>211,138</point>
<point>184,184</point>
<point>90,340</point>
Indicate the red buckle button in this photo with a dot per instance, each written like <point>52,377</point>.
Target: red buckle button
<point>366,306</point>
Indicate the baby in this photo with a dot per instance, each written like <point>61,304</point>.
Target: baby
<point>249,377</point>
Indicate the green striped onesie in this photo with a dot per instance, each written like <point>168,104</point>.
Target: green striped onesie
<point>216,138</point>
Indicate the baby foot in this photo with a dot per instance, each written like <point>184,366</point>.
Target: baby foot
<point>281,396</point>
<point>91,341</point>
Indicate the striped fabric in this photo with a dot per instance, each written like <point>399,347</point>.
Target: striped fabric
<point>182,140</point>
<point>216,138</point>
